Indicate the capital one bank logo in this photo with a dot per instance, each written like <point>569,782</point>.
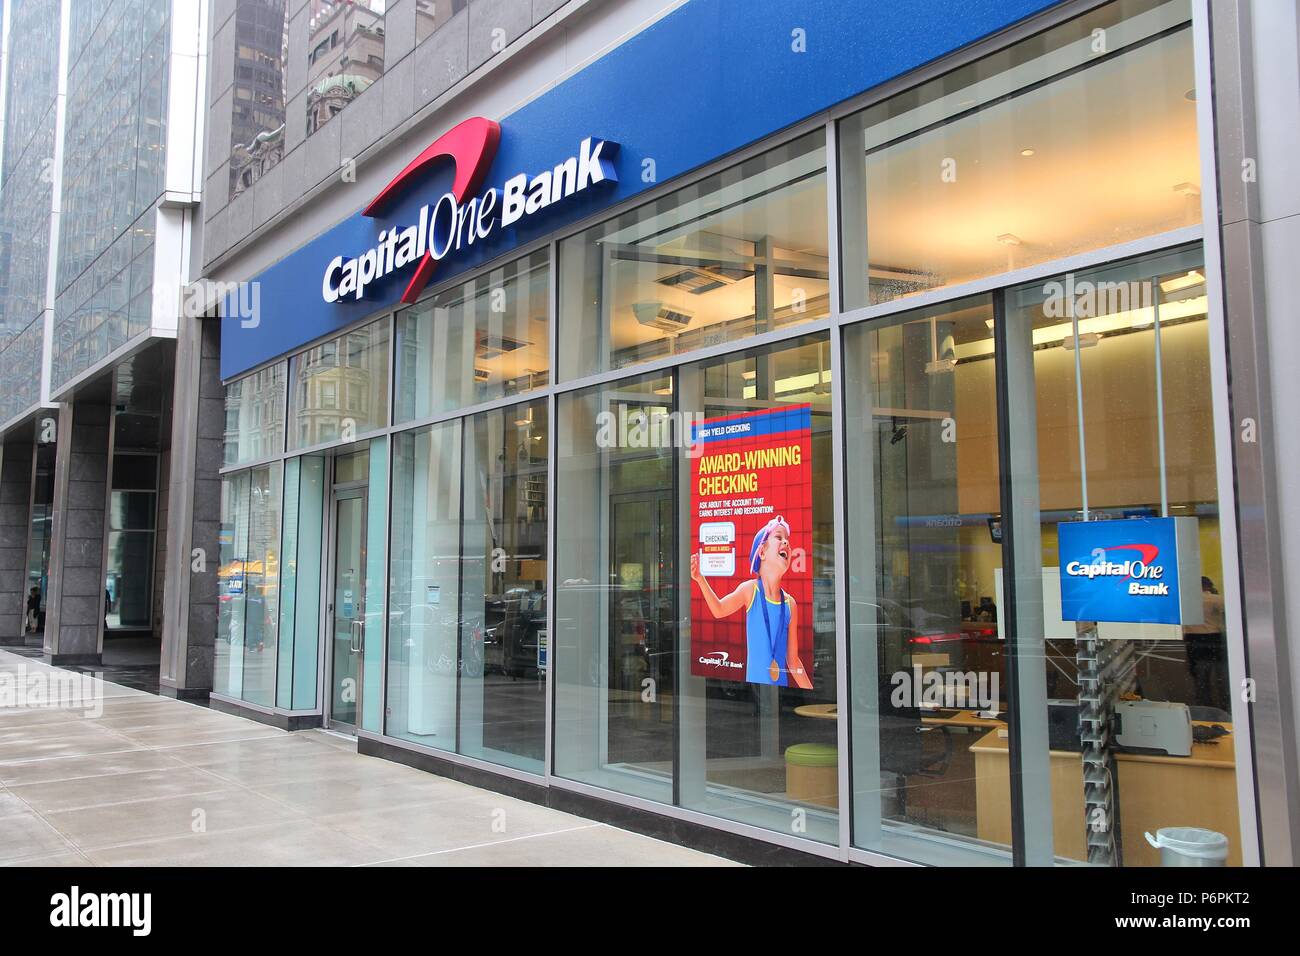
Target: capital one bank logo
<point>1142,573</point>
<point>461,216</point>
<point>719,659</point>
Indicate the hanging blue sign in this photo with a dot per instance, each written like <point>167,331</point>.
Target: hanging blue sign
<point>1134,571</point>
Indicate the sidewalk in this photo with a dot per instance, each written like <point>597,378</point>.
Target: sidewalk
<point>112,776</point>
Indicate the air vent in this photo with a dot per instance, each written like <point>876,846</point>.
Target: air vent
<point>702,279</point>
<point>489,346</point>
<point>657,315</point>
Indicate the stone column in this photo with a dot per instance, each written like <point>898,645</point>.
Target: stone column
<point>74,620</point>
<point>15,524</point>
<point>193,511</point>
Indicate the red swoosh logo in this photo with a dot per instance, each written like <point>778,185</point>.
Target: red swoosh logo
<point>471,146</point>
<point>1147,551</point>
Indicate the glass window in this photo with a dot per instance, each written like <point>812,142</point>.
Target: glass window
<point>303,550</point>
<point>1077,138</point>
<point>925,564</point>
<point>319,377</point>
<point>694,552</point>
<point>257,116</point>
<point>616,591</point>
<point>255,416</point>
<point>345,55</point>
<point>741,252</point>
<point>756,554</point>
<point>479,341</point>
<point>261,571</point>
<point>128,577</point>
<point>432,15</point>
<point>228,660</point>
<point>467,633</point>
<point>503,633</point>
<point>1123,429</point>
<point>424,598</point>
<point>249,586</point>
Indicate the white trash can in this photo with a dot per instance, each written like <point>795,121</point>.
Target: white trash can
<point>1190,846</point>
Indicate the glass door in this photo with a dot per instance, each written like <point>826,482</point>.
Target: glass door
<point>347,612</point>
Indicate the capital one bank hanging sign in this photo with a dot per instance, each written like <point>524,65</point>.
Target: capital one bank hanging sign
<point>463,215</point>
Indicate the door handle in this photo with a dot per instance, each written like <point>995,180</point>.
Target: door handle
<point>357,636</point>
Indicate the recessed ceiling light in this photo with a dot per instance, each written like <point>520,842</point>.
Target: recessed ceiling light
<point>1009,239</point>
<point>1190,95</point>
<point>1179,283</point>
<point>1027,151</point>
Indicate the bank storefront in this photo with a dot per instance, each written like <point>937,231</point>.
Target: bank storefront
<point>860,491</point>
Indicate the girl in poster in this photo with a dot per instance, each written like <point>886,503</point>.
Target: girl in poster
<point>771,615</point>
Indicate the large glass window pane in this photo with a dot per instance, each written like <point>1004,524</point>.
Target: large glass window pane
<point>300,576</point>
<point>1139,445</point>
<point>38,542</point>
<point>261,571</point>
<point>503,601</point>
<point>476,342</point>
<point>424,586</point>
<point>128,574</point>
<point>345,55</point>
<point>1077,138</point>
<point>340,388</point>
<point>616,617</point>
<point>258,94</point>
<point>753,502</point>
<point>376,562</point>
<point>925,564</point>
<point>255,416</point>
<point>432,15</point>
<point>741,252</point>
<point>228,661</point>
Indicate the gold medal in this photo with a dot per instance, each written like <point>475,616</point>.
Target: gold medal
<point>775,672</point>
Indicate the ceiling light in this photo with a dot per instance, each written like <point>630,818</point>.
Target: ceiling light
<point>749,374</point>
<point>1087,340</point>
<point>1027,151</point>
<point>1179,283</point>
<point>1190,190</point>
<point>941,366</point>
<point>1009,239</point>
<point>1190,95</point>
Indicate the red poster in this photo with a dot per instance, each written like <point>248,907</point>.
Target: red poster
<point>751,541</point>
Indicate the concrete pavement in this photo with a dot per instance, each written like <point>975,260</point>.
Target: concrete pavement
<point>95,773</point>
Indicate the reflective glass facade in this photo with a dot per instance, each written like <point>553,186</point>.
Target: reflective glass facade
<point>112,177</point>
<point>26,184</point>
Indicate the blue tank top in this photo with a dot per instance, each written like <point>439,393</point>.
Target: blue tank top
<point>767,636</point>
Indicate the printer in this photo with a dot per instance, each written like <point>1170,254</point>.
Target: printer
<point>1154,725</point>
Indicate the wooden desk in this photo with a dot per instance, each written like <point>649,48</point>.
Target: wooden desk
<point>963,718</point>
<point>1154,791</point>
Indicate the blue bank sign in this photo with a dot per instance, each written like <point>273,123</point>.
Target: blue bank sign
<point>706,79</point>
<point>1136,571</point>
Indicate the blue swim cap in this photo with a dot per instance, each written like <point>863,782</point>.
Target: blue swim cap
<point>761,537</point>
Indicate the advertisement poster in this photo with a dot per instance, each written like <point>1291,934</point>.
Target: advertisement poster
<point>751,538</point>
